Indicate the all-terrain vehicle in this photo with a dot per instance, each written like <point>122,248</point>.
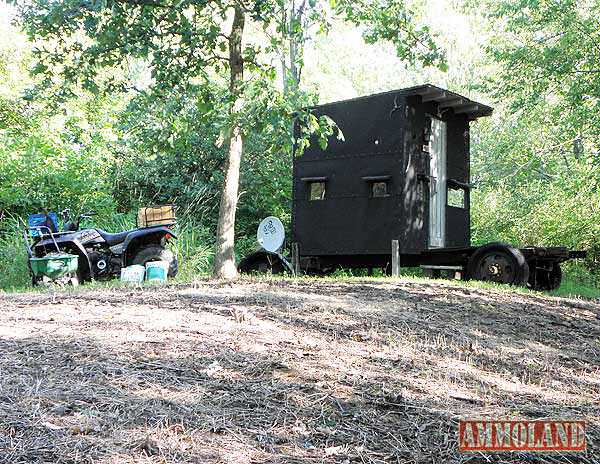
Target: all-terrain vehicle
<point>100,254</point>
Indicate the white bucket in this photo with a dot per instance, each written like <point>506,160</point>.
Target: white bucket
<point>133,274</point>
<point>157,271</point>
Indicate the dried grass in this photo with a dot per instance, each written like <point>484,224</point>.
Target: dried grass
<point>287,372</point>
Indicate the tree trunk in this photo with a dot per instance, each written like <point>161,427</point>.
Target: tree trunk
<point>289,66</point>
<point>225,267</point>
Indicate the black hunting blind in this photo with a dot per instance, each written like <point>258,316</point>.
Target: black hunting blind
<point>396,192</point>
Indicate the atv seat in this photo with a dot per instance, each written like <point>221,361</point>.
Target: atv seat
<point>114,239</point>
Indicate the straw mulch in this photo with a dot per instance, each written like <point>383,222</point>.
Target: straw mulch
<point>266,371</point>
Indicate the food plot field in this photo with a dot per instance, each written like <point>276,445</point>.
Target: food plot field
<point>284,371</point>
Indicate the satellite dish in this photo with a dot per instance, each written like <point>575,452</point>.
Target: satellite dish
<point>270,234</point>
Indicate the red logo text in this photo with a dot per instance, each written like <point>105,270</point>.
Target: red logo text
<point>539,435</point>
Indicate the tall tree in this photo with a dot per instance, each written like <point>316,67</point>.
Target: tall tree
<point>188,42</point>
<point>536,163</point>
<point>225,257</point>
<point>549,66</point>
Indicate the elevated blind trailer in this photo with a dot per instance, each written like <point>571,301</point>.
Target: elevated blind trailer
<point>396,192</point>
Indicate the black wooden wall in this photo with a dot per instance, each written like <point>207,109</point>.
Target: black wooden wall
<point>383,137</point>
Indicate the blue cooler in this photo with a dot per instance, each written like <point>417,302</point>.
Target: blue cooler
<point>46,221</point>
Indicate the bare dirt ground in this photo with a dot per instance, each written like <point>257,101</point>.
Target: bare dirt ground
<point>288,372</point>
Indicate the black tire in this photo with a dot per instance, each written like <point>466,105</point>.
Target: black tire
<point>35,281</point>
<point>75,280</point>
<point>156,253</point>
<point>555,277</point>
<point>545,280</point>
<point>500,263</point>
<point>83,271</point>
<point>262,264</point>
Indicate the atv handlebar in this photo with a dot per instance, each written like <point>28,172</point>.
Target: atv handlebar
<point>88,215</point>
<point>72,226</point>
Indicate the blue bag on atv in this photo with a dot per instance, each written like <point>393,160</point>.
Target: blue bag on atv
<point>42,223</point>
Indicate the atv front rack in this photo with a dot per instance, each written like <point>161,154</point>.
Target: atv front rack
<point>41,235</point>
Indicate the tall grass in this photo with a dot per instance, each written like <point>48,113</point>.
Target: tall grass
<point>194,250</point>
<point>14,272</point>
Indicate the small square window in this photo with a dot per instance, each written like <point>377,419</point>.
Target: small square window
<point>316,191</point>
<point>456,197</point>
<point>379,189</point>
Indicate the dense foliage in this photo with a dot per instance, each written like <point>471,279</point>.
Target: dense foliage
<point>539,165</point>
<point>128,133</point>
<point>52,159</point>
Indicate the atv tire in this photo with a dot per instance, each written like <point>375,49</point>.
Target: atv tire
<point>156,253</point>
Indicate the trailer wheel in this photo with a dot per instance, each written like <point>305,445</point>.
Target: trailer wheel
<point>545,280</point>
<point>262,263</point>
<point>498,262</point>
<point>269,266</point>
<point>555,277</point>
